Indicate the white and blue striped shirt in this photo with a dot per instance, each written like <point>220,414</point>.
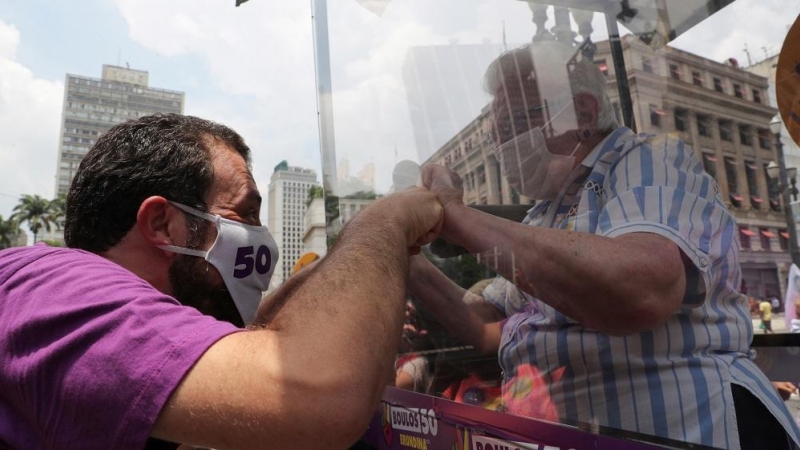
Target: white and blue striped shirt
<point>672,381</point>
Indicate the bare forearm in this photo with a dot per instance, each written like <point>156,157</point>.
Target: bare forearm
<point>470,320</point>
<point>346,316</point>
<point>601,282</point>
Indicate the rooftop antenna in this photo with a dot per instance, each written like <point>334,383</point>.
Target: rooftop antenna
<point>747,52</point>
<point>766,53</point>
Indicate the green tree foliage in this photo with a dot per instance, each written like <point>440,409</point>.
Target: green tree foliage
<point>37,212</point>
<point>363,195</point>
<point>58,209</point>
<point>9,232</point>
<point>314,192</point>
<point>53,242</point>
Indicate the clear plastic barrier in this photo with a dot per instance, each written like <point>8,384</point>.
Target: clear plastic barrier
<point>481,87</point>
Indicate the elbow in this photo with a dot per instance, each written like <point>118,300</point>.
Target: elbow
<point>338,407</point>
<point>643,312</point>
<point>650,300</point>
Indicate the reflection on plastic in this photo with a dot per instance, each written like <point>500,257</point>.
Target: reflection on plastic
<point>405,175</point>
<point>528,394</point>
<point>444,249</point>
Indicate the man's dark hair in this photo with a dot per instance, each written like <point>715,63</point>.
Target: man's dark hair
<point>162,154</point>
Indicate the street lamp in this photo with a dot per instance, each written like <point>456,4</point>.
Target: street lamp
<point>778,172</point>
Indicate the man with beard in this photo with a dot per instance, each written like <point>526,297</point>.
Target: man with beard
<point>101,351</point>
<point>618,300</point>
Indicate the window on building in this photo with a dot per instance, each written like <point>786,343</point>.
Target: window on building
<point>756,96</point>
<point>750,170</point>
<point>681,117</point>
<point>725,130</point>
<point>783,239</point>
<point>745,135</point>
<point>733,187</point>
<point>710,164</point>
<point>737,90</point>
<point>602,65</point>
<point>773,191</point>
<point>697,78</point>
<point>647,65</point>
<point>655,115</point>
<point>703,125</point>
<point>765,139</point>
<point>744,236</point>
<point>766,238</point>
<point>718,85</point>
<point>674,72</point>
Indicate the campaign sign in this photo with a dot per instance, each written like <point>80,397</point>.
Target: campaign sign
<point>412,421</point>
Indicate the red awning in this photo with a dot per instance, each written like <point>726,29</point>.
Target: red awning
<point>747,232</point>
<point>660,112</point>
<point>736,197</point>
<point>755,199</point>
<point>785,234</point>
<point>750,165</point>
<point>710,158</point>
<point>768,234</point>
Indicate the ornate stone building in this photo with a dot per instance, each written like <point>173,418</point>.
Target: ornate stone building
<point>719,109</point>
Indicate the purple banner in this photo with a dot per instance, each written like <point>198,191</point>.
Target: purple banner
<point>411,421</point>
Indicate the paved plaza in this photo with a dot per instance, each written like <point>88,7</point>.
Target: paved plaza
<point>778,324</point>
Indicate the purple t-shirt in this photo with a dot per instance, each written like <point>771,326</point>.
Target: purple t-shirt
<point>89,352</point>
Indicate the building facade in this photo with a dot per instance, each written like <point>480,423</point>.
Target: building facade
<point>315,235</point>
<point>93,105</point>
<point>721,110</point>
<point>288,194</point>
<point>768,68</point>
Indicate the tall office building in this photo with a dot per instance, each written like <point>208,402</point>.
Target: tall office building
<point>288,193</point>
<point>92,106</point>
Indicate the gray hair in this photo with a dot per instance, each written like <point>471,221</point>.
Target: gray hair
<point>584,78</point>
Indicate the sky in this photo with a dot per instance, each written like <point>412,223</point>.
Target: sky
<point>252,68</point>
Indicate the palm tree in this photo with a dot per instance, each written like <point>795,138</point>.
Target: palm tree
<point>35,210</point>
<point>9,232</point>
<point>58,209</point>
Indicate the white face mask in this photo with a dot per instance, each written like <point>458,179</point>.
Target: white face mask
<point>531,168</point>
<point>245,256</point>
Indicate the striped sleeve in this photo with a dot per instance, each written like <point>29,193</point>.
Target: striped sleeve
<point>659,186</point>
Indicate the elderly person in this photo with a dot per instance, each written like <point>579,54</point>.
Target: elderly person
<point>620,286</point>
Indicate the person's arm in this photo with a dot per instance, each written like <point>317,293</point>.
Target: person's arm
<point>463,314</point>
<point>785,389</point>
<point>618,286</point>
<point>314,375</point>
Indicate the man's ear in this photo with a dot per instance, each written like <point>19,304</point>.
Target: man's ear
<point>587,109</point>
<point>159,223</point>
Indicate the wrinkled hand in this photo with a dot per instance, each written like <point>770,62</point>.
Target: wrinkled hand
<point>443,182</point>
